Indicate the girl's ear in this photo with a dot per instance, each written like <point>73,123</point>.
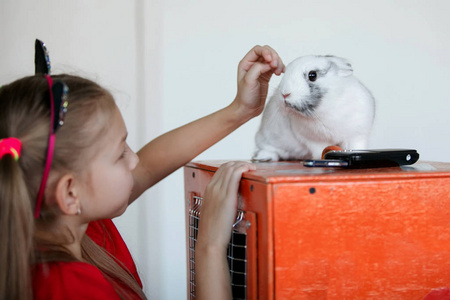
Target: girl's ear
<point>67,196</point>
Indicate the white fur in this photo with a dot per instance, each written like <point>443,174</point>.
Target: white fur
<point>343,116</point>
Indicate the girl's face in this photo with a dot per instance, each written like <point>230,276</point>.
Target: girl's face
<point>109,181</point>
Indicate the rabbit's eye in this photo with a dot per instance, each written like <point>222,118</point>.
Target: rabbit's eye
<point>312,75</point>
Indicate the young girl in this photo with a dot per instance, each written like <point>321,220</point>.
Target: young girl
<point>66,170</point>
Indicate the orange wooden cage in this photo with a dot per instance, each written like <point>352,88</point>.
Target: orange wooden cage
<point>319,233</point>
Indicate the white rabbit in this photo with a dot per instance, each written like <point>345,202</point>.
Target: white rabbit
<point>318,103</point>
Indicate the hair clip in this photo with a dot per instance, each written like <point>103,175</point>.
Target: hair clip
<point>41,58</point>
<point>60,92</point>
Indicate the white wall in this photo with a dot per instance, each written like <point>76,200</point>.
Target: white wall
<point>169,62</point>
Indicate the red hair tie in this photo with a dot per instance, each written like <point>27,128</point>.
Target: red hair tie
<point>11,146</point>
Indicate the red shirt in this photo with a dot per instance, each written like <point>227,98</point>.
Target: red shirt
<point>79,280</point>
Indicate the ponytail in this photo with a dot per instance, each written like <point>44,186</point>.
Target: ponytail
<point>16,232</point>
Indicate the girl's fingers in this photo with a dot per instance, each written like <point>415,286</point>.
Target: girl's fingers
<point>229,171</point>
<point>227,177</point>
<point>233,185</point>
<point>236,175</point>
<point>276,63</point>
<point>232,182</point>
<point>256,53</point>
<point>262,54</point>
<point>255,72</point>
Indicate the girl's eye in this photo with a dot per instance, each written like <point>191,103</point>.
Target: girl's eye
<point>312,76</point>
<point>123,153</point>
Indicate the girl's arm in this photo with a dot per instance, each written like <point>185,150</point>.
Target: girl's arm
<point>217,214</point>
<point>172,150</point>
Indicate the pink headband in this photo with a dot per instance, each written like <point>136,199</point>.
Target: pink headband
<point>10,146</point>
<point>50,149</point>
<point>58,91</point>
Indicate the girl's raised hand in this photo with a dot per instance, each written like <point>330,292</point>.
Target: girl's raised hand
<point>254,73</point>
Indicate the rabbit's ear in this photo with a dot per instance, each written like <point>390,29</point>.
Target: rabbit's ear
<point>342,66</point>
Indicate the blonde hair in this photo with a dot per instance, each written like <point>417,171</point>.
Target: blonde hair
<point>25,114</point>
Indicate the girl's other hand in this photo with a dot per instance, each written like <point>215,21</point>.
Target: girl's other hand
<point>254,73</point>
<point>217,215</point>
<point>218,212</point>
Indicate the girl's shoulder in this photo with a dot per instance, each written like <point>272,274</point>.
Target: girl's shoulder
<point>70,280</point>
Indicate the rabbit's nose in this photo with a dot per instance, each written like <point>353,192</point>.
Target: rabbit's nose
<point>286,95</point>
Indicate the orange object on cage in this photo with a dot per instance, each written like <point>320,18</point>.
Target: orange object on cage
<point>317,233</point>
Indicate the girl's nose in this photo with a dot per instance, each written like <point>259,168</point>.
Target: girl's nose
<point>134,160</point>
